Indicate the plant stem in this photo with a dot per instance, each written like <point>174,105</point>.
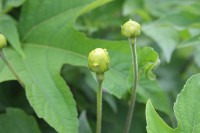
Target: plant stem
<point>100,78</point>
<point>2,55</point>
<point>135,75</point>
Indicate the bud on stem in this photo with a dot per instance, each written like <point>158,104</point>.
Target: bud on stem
<point>3,41</point>
<point>131,29</point>
<point>99,60</point>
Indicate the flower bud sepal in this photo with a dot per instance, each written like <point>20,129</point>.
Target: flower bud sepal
<point>132,41</point>
<point>100,77</point>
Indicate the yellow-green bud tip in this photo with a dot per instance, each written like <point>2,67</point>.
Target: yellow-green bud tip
<point>98,60</point>
<point>3,41</point>
<point>131,29</point>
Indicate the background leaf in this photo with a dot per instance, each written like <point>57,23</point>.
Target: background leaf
<point>19,121</point>
<point>197,56</point>
<point>9,29</point>
<point>7,5</point>
<point>84,126</point>
<point>167,39</point>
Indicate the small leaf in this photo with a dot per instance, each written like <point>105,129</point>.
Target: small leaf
<point>148,61</point>
<point>16,121</point>
<point>186,110</point>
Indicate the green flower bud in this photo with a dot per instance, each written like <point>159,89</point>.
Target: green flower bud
<point>131,29</point>
<point>98,60</point>
<point>2,41</point>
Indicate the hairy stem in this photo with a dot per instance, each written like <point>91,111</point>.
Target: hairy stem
<point>100,78</point>
<point>135,82</point>
<point>2,55</point>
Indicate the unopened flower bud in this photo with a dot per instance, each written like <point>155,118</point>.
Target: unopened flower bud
<point>131,29</point>
<point>3,42</point>
<point>99,60</point>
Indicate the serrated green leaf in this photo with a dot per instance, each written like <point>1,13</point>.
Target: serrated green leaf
<point>186,107</point>
<point>16,121</point>
<point>9,29</point>
<point>48,94</point>
<point>186,111</point>
<point>154,123</point>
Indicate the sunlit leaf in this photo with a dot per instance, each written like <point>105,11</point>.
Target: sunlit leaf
<point>186,110</point>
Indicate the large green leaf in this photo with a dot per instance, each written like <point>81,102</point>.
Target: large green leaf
<point>186,110</point>
<point>57,32</point>
<point>49,41</point>
<point>16,121</point>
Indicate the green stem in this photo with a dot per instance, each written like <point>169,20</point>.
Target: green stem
<point>100,78</point>
<point>2,55</point>
<point>135,82</point>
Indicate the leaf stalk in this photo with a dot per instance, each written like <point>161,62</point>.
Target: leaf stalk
<point>135,82</point>
<point>5,60</point>
<point>100,78</point>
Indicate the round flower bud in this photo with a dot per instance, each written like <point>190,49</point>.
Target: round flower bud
<point>98,60</point>
<point>131,29</point>
<point>2,41</point>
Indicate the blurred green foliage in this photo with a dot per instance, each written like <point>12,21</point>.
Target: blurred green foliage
<point>171,27</point>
